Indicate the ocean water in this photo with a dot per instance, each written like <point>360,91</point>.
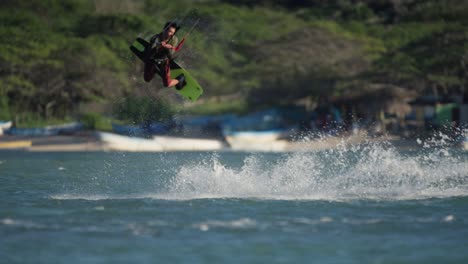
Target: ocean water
<point>370,203</point>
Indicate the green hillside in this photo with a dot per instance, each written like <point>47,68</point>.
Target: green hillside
<point>63,58</point>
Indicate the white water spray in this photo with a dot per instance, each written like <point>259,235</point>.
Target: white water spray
<point>368,171</point>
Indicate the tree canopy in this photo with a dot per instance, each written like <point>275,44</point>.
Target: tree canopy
<point>57,55</point>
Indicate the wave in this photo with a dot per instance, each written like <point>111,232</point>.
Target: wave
<point>369,171</point>
<point>374,171</point>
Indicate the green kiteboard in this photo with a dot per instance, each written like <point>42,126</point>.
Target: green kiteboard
<point>191,90</point>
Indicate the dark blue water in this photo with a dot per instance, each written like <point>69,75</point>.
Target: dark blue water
<point>365,204</point>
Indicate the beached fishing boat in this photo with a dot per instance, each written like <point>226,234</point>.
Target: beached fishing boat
<point>129,130</point>
<point>46,131</point>
<point>155,128</point>
<point>158,143</point>
<point>261,131</point>
<point>4,125</point>
<point>269,140</point>
<point>124,143</point>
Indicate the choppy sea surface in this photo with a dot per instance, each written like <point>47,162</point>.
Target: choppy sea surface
<point>370,203</point>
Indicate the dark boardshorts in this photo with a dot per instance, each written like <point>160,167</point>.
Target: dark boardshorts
<point>161,67</point>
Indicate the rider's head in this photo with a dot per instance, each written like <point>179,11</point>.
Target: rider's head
<point>171,28</point>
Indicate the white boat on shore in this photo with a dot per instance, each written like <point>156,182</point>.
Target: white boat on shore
<point>157,143</point>
<point>257,140</point>
<point>266,130</point>
<point>4,125</point>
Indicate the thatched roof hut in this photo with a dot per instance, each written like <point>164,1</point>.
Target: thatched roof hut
<point>374,98</point>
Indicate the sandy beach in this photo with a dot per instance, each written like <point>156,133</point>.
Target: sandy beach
<point>80,142</point>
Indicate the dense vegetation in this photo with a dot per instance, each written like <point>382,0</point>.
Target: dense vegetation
<point>68,58</point>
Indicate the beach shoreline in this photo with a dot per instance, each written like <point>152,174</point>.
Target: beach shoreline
<point>92,141</point>
<point>80,142</point>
